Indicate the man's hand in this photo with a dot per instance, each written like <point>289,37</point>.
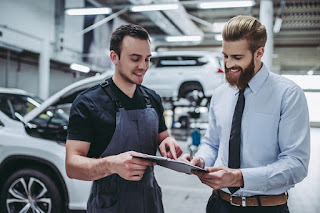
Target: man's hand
<point>128,167</point>
<point>169,148</point>
<point>221,177</point>
<point>195,161</point>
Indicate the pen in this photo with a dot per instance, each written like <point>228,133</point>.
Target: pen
<point>192,149</point>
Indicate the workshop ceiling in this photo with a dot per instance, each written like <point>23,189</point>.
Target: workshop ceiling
<point>300,20</point>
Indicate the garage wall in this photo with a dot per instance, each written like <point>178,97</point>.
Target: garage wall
<point>24,23</point>
<point>22,75</point>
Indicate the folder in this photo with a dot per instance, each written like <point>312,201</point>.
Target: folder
<point>176,165</point>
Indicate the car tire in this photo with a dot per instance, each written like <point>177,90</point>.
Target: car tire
<point>188,88</point>
<point>30,189</point>
<point>184,121</point>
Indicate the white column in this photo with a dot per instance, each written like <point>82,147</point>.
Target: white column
<point>44,70</point>
<point>266,18</point>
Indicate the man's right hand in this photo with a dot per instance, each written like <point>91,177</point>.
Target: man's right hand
<point>128,167</point>
<point>194,161</point>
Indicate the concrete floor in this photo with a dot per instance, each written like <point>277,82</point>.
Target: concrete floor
<point>186,194</point>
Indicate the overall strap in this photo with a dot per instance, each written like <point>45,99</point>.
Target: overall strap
<point>146,96</point>
<point>107,89</point>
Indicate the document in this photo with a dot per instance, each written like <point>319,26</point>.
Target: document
<point>176,165</point>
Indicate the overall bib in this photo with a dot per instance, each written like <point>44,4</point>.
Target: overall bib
<point>136,130</point>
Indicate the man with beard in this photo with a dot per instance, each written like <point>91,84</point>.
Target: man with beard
<point>113,122</point>
<point>257,144</point>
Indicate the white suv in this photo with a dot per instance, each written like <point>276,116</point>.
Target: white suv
<point>175,74</point>
<point>32,152</point>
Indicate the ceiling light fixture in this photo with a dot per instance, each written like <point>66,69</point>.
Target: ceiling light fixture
<point>182,38</point>
<point>79,67</point>
<point>88,11</point>
<point>153,7</point>
<point>225,4</point>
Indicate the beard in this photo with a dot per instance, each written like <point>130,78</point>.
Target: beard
<point>243,79</point>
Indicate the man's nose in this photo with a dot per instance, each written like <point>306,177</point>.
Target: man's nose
<point>143,65</point>
<point>229,63</point>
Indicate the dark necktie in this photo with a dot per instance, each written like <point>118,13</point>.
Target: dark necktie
<point>235,137</point>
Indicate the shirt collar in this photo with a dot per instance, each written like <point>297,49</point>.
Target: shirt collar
<point>258,79</point>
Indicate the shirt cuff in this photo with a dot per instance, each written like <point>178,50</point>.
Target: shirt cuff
<point>208,160</point>
<point>255,179</point>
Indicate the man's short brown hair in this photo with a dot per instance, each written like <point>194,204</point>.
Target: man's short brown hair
<point>132,30</point>
<point>245,27</point>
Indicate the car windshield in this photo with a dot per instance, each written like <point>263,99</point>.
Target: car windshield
<point>50,124</point>
<point>16,103</point>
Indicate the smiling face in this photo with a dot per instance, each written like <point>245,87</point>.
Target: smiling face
<point>240,63</point>
<point>131,67</point>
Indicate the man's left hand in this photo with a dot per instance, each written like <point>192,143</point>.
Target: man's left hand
<point>169,148</point>
<point>221,177</point>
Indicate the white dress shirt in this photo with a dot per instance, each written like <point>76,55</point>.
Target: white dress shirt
<point>275,133</point>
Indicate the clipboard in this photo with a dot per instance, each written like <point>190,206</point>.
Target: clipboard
<point>176,165</point>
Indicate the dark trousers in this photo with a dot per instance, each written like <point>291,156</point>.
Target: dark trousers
<point>218,205</point>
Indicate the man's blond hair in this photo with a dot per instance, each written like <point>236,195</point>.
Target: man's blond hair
<point>245,27</point>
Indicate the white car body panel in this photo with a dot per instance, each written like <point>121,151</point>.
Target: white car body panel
<point>16,142</point>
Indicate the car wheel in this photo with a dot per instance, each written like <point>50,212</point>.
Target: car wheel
<point>29,190</point>
<point>187,89</point>
<point>184,121</point>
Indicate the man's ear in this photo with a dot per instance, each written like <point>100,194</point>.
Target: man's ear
<point>114,57</point>
<point>260,52</point>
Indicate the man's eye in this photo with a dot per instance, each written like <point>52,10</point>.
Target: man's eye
<point>135,59</point>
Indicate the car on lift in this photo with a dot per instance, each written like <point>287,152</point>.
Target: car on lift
<point>174,75</point>
<point>32,152</point>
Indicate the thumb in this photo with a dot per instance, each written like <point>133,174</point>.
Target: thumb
<point>214,169</point>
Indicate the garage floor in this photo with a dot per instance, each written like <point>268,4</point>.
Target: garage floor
<point>185,193</point>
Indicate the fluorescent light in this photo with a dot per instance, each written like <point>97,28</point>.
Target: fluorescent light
<point>88,11</point>
<point>218,37</point>
<point>225,4</point>
<point>183,38</point>
<point>277,25</point>
<point>153,7</point>
<point>217,27</point>
<point>79,67</point>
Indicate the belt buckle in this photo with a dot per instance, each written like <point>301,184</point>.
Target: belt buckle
<point>243,201</point>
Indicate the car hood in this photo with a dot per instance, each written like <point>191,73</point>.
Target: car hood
<point>64,94</point>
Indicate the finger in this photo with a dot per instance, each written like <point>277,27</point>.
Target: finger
<point>179,151</point>
<point>162,150</point>
<point>185,158</point>
<point>133,153</point>
<point>196,162</point>
<point>214,169</point>
<point>173,150</point>
<point>135,178</point>
<point>142,162</point>
<point>138,167</point>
